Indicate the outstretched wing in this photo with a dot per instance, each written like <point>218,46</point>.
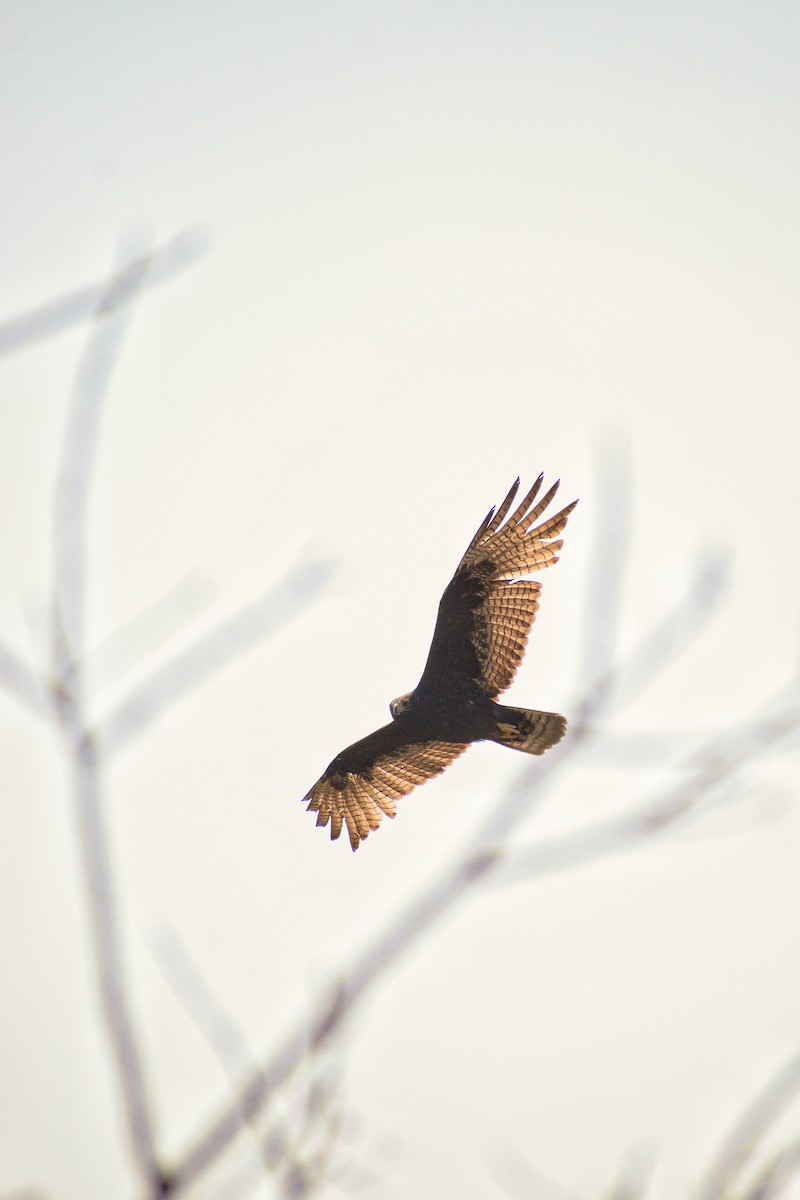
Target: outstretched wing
<point>487,610</point>
<point>363,782</point>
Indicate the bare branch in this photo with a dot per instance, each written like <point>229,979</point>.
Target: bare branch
<point>711,766</point>
<point>772,1181</point>
<point>635,1174</point>
<point>278,1151</point>
<point>513,1172</point>
<point>484,853</point>
<point>80,445</point>
<point>210,653</point>
<point>68,617</point>
<point>660,645</point>
<point>57,315</point>
<point>219,1030</point>
<point>658,648</point>
<point>419,917</point>
<point>148,630</point>
<point>104,918</point>
<point>749,1132</point>
<point>206,1011</point>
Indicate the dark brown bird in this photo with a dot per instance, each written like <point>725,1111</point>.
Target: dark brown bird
<point>485,616</point>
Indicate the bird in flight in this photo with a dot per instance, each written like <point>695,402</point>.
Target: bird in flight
<point>485,616</point>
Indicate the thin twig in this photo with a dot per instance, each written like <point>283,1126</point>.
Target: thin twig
<point>483,854</point>
<point>105,928</point>
<point>57,315</point>
<point>749,1131</point>
<point>773,1179</point>
<point>209,653</point>
<point>218,1028</point>
<point>206,1011</point>
<point>147,631</point>
<point>635,1175</point>
<point>68,618</point>
<point>81,435</point>
<point>435,901</point>
<point>709,767</point>
<point>276,1149</point>
<point>512,1171</point>
<point>670,636</point>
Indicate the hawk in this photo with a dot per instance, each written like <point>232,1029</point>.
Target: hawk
<point>485,616</point>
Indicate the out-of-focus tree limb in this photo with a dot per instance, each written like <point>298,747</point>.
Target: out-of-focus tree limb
<point>747,1135</point>
<point>634,1175</point>
<point>485,854</point>
<point>81,436</point>
<point>209,653</point>
<point>521,1180</point>
<point>219,1030</point>
<point>709,767</point>
<point>773,1179</point>
<point>68,610</point>
<point>668,637</point>
<point>54,316</point>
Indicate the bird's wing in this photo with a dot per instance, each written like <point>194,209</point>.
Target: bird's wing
<point>363,782</point>
<point>487,610</point>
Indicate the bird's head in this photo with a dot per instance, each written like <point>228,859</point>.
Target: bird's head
<point>400,706</point>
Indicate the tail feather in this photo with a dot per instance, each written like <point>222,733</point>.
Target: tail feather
<point>527,730</point>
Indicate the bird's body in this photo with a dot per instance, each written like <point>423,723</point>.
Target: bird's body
<point>485,615</point>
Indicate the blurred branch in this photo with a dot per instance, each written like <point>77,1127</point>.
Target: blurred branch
<point>97,301</point>
<point>658,648</point>
<point>634,1177</point>
<point>519,1178</point>
<point>668,637</point>
<point>512,1171</point>
<point>146,631</point>
<point>711,766</point>
<point>84,303</point>
<point>776,1176</point>
<point>300,1170</point>
<point>111,305</point>
<point>210,653</point>
<point>220,1032</point>
<point>747,1135</point>
<point>301,1158</point>
<point>206,1011</point>
<point>68,618</point>
<point>485,852</point>
<point>79,449</point>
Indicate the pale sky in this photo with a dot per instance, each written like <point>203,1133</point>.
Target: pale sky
<point>448,244</point>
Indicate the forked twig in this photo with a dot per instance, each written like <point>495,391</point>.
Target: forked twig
<point>83,304</point>
<point>748,1133</point>
<point>715,763</point>
<point>61,693</point>
<point>488,854</point>
<point>484,855</point>
<point>68,619</point>
<point>209,653</point>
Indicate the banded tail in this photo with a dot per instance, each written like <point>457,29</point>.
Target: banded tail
<point>527,730</point>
